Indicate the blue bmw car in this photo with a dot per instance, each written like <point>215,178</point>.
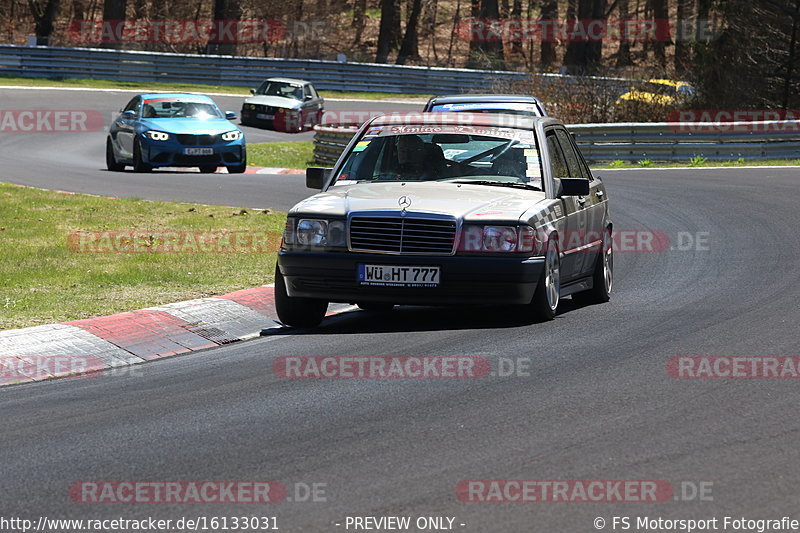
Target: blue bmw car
<point>175,130</point>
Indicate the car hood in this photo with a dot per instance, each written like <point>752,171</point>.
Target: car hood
<point>274,101</point>
<point>469,202</point>
<point>187,125</point>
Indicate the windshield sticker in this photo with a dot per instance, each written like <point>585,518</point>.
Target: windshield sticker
<point>361,146</point>
<point>486,131</point>
<point>484,105</point>
<point>533,172</point>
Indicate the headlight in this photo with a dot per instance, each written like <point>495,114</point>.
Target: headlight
<point>497,239</point>
<point>234,135</point>
<point>315,232</point>
<point>250,106</point>
<point>157,135</point>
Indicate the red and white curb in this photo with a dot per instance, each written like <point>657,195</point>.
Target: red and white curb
<point>57,350</point>
<point>273,170</point>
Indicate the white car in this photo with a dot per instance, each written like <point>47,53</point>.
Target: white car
<point>283,104</point>
<point>502,210</point>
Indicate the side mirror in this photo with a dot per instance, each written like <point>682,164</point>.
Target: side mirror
<point>309,97</point>
<point>316,177</point>
<point>573,187</point>
<point>130,113</point>
<point>230,115</point>
<point>253,92</point>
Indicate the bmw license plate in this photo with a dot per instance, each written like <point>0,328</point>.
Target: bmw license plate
<point>263,116</point>
<point>399,276</point>
<point>198,151</point>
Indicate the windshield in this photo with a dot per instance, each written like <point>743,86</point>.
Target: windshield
<point>507,157</point>
<point>178,108</point>
<point>281,88</point>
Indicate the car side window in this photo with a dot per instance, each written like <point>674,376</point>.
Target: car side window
<point>133,105</point>
<point>312,91</point>
<point>574,166</point>
<point>307,91</point>
<point>558,166</point>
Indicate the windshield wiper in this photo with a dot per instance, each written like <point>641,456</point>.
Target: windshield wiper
<point>512,184</point>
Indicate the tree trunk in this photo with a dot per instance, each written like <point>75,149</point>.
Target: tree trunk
<point>225,10</point>
<point>624,52</point>
<point>547,53</point>
<point>113,11</point>
<point>43,16</point>
<point>386,35</point>
<point>359,20</point>
<point>410,47</point>
<point>683,51</point>
<point>660,10</point>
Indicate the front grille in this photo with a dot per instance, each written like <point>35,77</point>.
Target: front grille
<point>188,139</point>
<point>403,235</point>
<point>269,110</point>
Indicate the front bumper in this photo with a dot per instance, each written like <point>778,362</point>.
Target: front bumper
<point>172,154</point>
<point>464,280</point>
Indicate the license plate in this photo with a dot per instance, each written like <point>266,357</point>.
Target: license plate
<point>198,151</point>
<point>399,276</point>
<point>263,116</point>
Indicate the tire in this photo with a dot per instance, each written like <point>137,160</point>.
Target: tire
<point>208,169</point>
<point>297,312</point>
<point>375,306</point>
<point>602,276</point>
<point>545,301</point>
<point>138,163</point>
<point>111,160</point>
<point>240,168</point>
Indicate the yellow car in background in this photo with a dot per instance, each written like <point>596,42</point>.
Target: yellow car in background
<point>660,92</point>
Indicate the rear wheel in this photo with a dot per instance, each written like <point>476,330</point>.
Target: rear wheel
<point>603,276</point>
<point>138,162</point>
<point>548,292</point>
<point>298,312</point>
<point>111,159</point>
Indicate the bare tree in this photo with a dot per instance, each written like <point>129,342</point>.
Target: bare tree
<point>410,47</point>
<point>44,14</point>
<point>387,36</point>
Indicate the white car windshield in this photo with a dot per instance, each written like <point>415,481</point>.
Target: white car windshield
<point>281,88</point>
<point>176,108</point>
<point>508,159</point>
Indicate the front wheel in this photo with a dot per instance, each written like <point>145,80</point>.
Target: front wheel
<point>138,161</point>
<point>602,277</point>
<point>240,168</point>
<point>111,159</point>
<point>297,312</point>
<point>548,291</point>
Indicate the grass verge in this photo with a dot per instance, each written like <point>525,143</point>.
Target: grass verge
<point>292,154</point>
<point>700,163</point>
<point>43,281</point>
<point>137,86</point>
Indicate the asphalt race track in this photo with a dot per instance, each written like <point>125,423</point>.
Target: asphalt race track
<point>598,403</point>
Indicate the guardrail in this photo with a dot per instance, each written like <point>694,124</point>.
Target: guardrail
<point>631,142</point>
<point>126,65</point>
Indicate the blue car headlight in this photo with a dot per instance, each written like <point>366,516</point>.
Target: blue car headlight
<point>157,135</point>
<point>234,135</point>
